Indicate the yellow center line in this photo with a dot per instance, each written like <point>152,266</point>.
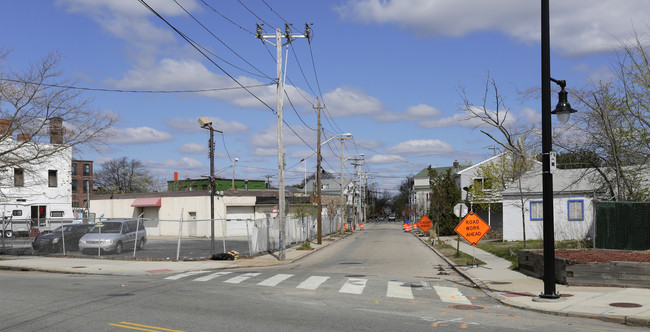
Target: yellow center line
<point>140,327</point>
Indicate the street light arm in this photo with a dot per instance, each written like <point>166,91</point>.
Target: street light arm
<point>339,136</point>
<point>561,83</point>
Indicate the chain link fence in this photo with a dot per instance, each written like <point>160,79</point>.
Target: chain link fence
<point>172,239</point>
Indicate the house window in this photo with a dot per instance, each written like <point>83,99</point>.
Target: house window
<point>17,213</point>
<point>74,186</point>
<point>51,178</point>
<point>74,168</point>
<point>536,210</point>
<point>19,177</point>
<point>56,214</point>
<point>86,169</point>
<point>576,210</point>
<point>86,185</point>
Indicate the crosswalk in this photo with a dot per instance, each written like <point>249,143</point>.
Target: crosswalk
<point>353,285</point>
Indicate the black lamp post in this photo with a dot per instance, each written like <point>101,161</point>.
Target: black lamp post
<point>562,110</point>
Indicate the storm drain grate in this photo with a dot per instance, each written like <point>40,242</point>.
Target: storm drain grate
<point>625,305</point>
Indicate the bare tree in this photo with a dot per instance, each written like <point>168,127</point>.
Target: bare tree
<point>48,115</point>
<point>613,125</point>
<point>493,113</point>
<point>123,176</point>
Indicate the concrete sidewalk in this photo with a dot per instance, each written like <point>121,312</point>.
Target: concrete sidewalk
<point>630,306</point>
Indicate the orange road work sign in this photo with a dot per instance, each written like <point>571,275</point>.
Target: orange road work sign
<point>472,228</point>
<point>425,223</point>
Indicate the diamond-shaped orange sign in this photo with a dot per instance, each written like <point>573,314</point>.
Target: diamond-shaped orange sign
<point>472,228</point>
<point>425,223</point>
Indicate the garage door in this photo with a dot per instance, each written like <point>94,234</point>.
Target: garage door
<point>236,219</point>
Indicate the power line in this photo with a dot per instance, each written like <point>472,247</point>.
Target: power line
<point>132,91</point>
<point>224,44</point>
<point>189,41</point>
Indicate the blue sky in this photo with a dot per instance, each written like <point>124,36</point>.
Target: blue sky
<point>388,72</point>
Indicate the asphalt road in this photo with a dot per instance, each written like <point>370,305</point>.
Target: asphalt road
<point>378,280</point>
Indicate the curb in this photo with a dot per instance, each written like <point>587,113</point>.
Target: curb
<point>624,320</point>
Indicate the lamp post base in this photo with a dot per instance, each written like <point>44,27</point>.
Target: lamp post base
<point>542,297</point>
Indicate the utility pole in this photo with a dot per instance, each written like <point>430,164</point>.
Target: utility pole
<point>354,192</point>
<point>343,204</point>
<point>280,84</point>
<point>319,217</point>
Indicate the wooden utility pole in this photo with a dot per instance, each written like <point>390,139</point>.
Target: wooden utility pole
<point>319,217</point>
<point>280,90</point>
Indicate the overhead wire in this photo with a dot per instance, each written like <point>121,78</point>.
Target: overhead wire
<point>262,74</point>
<point>129,90</point>
<point>189,41</point>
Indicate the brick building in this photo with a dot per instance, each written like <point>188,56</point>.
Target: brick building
<point>82,182</point>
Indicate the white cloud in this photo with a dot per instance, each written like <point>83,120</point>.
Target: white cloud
<point>386,159</point>
<point>265,152</point>
<point>140,135</point>
<point>193,148</point>
<point>187,125</point>
<point>347,101</point>
<point>530,115</point>
<point>128,20</point>
<point>184,163</point>
<point>423,147</point>
<point>578,27</point>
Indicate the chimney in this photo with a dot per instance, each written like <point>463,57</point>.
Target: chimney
<point>175,176</point>
<point>456,164</point>
<point>5,127</point>
<point>23,137</point>
<point>56,130</point>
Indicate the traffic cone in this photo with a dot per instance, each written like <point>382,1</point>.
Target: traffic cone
<point>360,227</point>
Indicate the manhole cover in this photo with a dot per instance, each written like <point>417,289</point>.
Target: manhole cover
<point>625,305</point>
<point>467,307</point>
<point>566,295</point>
<point>122,294</point>
<point>348,263</point>
<point>355,276</point>
<point>78,267</point>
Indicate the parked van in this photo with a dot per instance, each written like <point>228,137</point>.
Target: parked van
<point>114,235</point>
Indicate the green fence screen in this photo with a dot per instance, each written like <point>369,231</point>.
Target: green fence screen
<point>623,225</point>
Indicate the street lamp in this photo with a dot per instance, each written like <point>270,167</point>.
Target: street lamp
<point>563,111</point>
<point>206,123</point>
<point>233,172</point>
<point>319,216</point>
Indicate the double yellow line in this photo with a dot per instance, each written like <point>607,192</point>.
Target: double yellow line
<point>139,327</point>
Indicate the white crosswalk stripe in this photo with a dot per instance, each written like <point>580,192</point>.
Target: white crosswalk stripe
<point>357,286</point>
<point>400,290</point>
<point>312,282</point>
<point>212,276</point>
<point>240,278</point>
<point>353,286</point>
<point>183,275</point>
<point>275,280</point>
<point>451,295</point>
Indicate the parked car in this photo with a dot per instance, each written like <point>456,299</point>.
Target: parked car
<point>53,241</point>
<point>114,236</point>
<point>380,218</point>
<point>391,217</point>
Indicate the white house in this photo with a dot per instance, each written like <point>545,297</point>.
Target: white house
<point>34,195</point>
<point>574,193</point>
<point>162,211</point>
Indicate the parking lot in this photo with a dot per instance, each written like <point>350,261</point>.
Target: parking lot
<point>155,248</point>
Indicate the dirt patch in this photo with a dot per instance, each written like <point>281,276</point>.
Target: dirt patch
<point>603,256</point>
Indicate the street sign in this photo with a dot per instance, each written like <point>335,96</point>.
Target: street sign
<point>425,223</point>
<point>460,210</point>
<point>472,228</point>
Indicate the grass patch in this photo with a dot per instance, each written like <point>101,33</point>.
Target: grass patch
<point>509,249</point>
<point>305,245</point>
<point>450,252</point>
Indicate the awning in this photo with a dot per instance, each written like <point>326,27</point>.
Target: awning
<point>147,202</point>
